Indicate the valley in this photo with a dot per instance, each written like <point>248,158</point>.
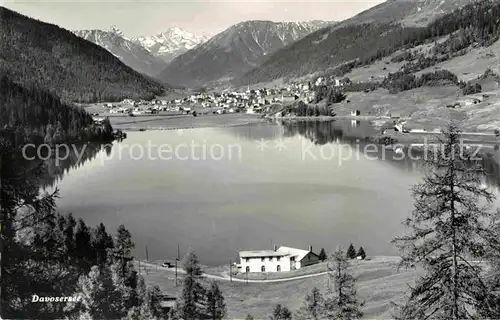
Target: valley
<point>308,130</point>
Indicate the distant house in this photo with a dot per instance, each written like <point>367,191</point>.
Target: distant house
<point>277,260</point>
<point>287,99</point>
<point>355,113</point>
<point>98,120</point>
<point>395,116</point>
<point>399,127</point>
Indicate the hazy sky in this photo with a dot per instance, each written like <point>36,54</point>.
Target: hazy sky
<point>136,17</point>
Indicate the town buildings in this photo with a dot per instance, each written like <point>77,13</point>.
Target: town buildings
<point>228,101</point>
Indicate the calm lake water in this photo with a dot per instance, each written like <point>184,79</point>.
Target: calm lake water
<point>302,189</point>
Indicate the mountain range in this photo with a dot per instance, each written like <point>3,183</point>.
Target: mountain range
<point>170,44</point>
<point>366,36</point>
<point>234,51</point>
<point>248,52</point>
<point>131,53</point>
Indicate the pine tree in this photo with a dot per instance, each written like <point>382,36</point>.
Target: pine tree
<point>122,251</point>
<point>216,307</point>
<point>341,300</point>
<point>102,243</point>
<point>281,313</point>
<point>123,266</point>
<point>351,252</point>
<point>313,307</point>
<point>361,253</point>
<point>83,248</point>
<point>99,296</point>
<point>322,255</point>
<point>123,246</point>
<point>450,229</point>
<point>150,307</point>
<point>69,234</point>
<point>191,303</point>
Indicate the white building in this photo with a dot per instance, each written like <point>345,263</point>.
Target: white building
<point>338,83</point>
<point>287,99</point>
<point>278,260</point>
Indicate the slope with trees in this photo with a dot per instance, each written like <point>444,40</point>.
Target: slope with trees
<point>195,301</point>
<point>37,53</point>
<point>54,255</point>
<point>44,117</point>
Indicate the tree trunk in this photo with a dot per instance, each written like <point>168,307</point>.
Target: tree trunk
<point>2,219</point>
<point>456,294</point>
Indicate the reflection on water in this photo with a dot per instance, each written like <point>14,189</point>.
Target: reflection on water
<point>266,197</point>
<point>78,155</point>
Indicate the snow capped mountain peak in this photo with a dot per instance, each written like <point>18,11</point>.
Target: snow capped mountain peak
<point>176,30</point>
<point>114,29</point>
<point>171,43</point>
<point>235,51</point>
<point>131,53</point>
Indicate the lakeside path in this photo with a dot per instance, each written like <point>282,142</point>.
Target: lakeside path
<point>177,122</point>
<point>227,278</point>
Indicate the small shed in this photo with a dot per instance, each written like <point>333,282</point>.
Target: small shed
<point>355,113</point>
<point>167,303</point>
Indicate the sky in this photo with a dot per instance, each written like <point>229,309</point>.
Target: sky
<point>208,17</point>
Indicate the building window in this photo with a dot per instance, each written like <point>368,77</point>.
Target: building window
<point>308,258</point>
<point>278,258</point>
<point>270,258</point>
<point>278,268</point>
<point>263,269</point>
<point>248,269</point>
<point>247,259</point>
<point>262,259</point>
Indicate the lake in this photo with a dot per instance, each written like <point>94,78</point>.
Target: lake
<point>223,190</point>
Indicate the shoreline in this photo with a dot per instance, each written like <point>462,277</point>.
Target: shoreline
<point>187,122</point>
<point>186,127</point>
<point>399,138</point>
<point>162,123</point>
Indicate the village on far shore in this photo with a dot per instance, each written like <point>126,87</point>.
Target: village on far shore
<point>246,100</point>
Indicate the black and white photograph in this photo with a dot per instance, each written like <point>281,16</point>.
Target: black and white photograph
<point>250,159</point>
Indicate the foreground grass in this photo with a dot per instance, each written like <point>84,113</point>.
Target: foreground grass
<point>311,270</point>
<point>379,284</point>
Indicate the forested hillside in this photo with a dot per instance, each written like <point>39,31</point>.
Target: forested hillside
<point>44,117</point>
<point>476,23</point>
<point>34,52</point>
